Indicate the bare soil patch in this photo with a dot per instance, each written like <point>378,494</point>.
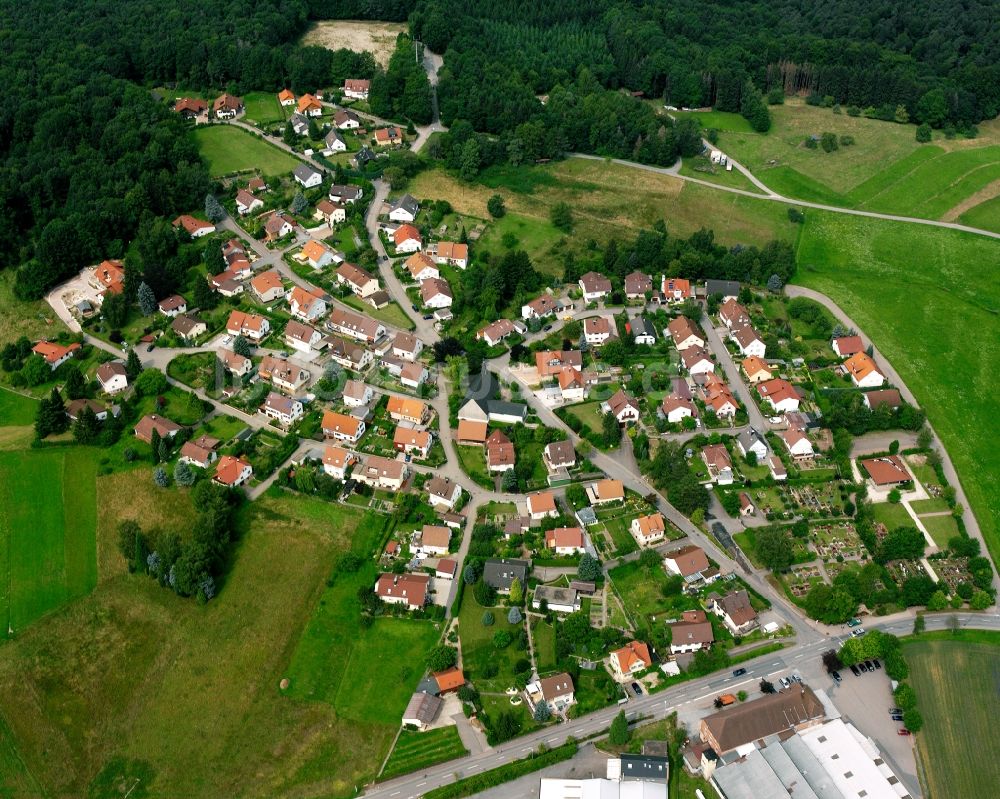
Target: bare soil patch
<point>379,38</point>
<point>988,192</point>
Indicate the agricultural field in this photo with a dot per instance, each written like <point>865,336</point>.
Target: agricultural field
<point>885,169</point>
<point>950,373</point>
<point>230,149</point>
<point>417,750</point>
<point>378,38</point>
<point>131,664</point>
<point>48,514</point>
<point>951,677</point>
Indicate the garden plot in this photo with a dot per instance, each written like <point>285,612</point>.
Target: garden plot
<point>802,578</point>
<point>837,541</point>
<point>952,571</point>
<point>902,570</point>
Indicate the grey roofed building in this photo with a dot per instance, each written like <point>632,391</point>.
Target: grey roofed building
<point>750,439</point>
<point>422,708</point>
<point>500,573</point>
<point>641,327</point>
<point>300,125</point>
<point>483,389</point>
<point>501,408</point>
<point>586,516</point>
<point>557,598</point>
<point>407,203</point>
<point>428,685</point>
<point>727,288</point>
<point>304,172</point>
<point>363,157</point>
<point>644,767</point>
<point>333,137</point>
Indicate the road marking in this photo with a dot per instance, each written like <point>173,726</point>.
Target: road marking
<point>395,793</point>
<point>421,783</point>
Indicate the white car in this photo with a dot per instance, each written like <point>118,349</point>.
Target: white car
<point>858,632</point>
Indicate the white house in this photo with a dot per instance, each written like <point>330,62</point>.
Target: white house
<point>112,377</point>
<point>306,305</point>
<point>697,360</point>
<point>246,203</point>
<point>542,504</point>
<point>443,492</point>
<point>863,371</point>
<point>649,529</point>
<point>623,407</point>
<point>336,462</point>
<point>286,410</point>
<point>356,88</point>
<point>436,293</point>
<point>308,177</point>
<point>317,254</point>
<point>594,286</point>
<point>406,238</point>
<point>749,341</point>
<point>597,330</point>
<point>357,394</point>
<point>407,346</point>
<point>565,540</point>
<point>797,444</point>
<point>302,337</point>
<point>750,441</point>
<point>405,209</point>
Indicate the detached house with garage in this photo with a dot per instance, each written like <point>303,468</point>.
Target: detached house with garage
<point>361,282</point>
<point>676,289</point>
<point>443,492</point>
<point>421,267</point>
<point>407,238</point>
<point>559,455</point>
<point>341,427</point>
<point>736,611</point>
<point>692,633</point>
<point>797,444</point>
<point>690,562</point>
<point>863,371</point>
<point>112,377</point>
<point>749,341</point>
<point>409,590</point>
<point>284,410</point>
<point>594,286</point>
<point>697,360</point>
<point>648,530</point>
<point>436,293</point>
<point>231,471</point>
<point>306,305</point>
<point>675,409</point>
<point>317,254</point>
<point>685,333</point>
<point>638,285</point>
<point>412,442</point>
<point>597,330</point>
<point>248,325</point>
<point>846,346</point>
<point>246,203</point>
<point>382,473</point>
<point>565,541</point>
<point>756,370</point>
<point>267,286</point>
<point>720,465</point>
<point>309,106</point>
<point>630,660</point>
<point>195,228</point>
<point>779,394</point>
<point>542,504</point>
<point>449,252</point>
<point>604,491</point>
<point>308,177</point>
<point>733,315</point>
<point>557,691</point>
<point>404,209</point>
<point>623,406</point>
<point>302,337</point>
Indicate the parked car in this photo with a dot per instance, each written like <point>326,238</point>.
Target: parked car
<point>150,348</point>
<point>855,670</point>
<point>896,717</point>
<point>547,328</point>
<point>895,710</point>
<point>836,676</point>
<point>863,667</point>
<point>739,672</point>
<point>876,664</point>
<point>795,678</point>
<point>854,623</point>
<point>903,731</point>
<point>786,683</point>
<point>416,307</point>
<point>858,632</point>
<point>637,688</point>
<point>869,666</point>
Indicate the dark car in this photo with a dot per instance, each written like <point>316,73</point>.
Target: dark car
<point>428,316</point>
<point>836,676</point>
<point>547,328</point>
<point>739,672</point>
<point>855,670</point>
<point>416,307</point>
<point>896,717</point>
<point>869,666</point>
<point>637,688</point>
<point>150,348</point>
<point>876,664</point>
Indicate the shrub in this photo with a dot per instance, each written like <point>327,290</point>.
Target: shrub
<point>488,619</point>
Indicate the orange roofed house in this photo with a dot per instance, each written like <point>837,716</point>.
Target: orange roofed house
<point>605,491</point>
<point>630,659</point>
<point>341,427</point>
<point>111,274</point>
<point>232,471</point>
<point>55,355</point>
<point>403,589</point>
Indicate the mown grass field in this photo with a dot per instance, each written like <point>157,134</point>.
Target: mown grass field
<point>230,149</point>
<point>985,215</point>
<point>417,750</point>
<point>17,413</point>
<point>930,303</point>
<point>48,511</point>
<point>264,108</point>
<point>191,693</point>
<point>885,169</point>
<point>956,685</point>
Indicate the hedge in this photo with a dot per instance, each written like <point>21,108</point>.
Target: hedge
<point>502,774</point>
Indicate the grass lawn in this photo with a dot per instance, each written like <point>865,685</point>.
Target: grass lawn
<point>229,149</point>
<point>933,505</point>
<point>702,168</point>
<point>197,370</point>
<point>952,679</point>
<point>941,528</point>
<point>417,750</point>
<point>892,515</point>
<point>845,257</point>
<point>473,462</point>
<point>589,413</point>
<point>639,589</point>
<point>720,120</point>
<point>34,319</point>
<point>620,534</point>
<point>543,636</point>
<point>263,108</point>
<point>391,314</point>
<point>222,427</point>
<point>17,413</point>
<point>477,645</point>
<point>48,516</point>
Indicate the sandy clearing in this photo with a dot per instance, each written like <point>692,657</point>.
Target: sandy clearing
<point>377,37</point>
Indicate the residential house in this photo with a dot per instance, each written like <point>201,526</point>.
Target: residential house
<point>886,471</point>
<point>542,504</point>
<point>421,267</point>
<point>267,286</point>
<point>500,573</point>
<point>692,633</point>
<point>356,88</point>
<point>720,465</point>
<point>727,289</point>
<point>648,530</point>
<point>717,395</point>
<point>751,441</point>
<point>876,399</point>
<point>540,307</point>
<point>559,455</point>
<point>75,407</point>
<point>358,280</point>
<point>685,334</point>
<point>341,427</point>
<point>173,305</point>
<point>556,690</point>
<point>286,97</point>
<point>248,325</point>
<point>797,444</point>
<point>597,330</point>
<point>362,158</point>
<point>550,363</point>
<point>500,455</point>
<point>307,176</point>
<point>201,453</point>
<point>111,275</point>
<point>309,106</point>
<point>285,410</point>
<point>299,123</point>
<point>411,441</point>
<point>689,562</point>
<point>55,355</point>
<point>345,193</point>
<point>565,540</point>
<point>572,385</point>
<point>594,286</point>
<point>413,375</point>
<point>779,394</point>
<point>306,305</point>
<point>336,462</point>
<point>777,468</point>
<point>605,491</point>
<point>302,337</point>
<point>556,599</point>
<point>317,254</point>
<point>391,136</point>
<point>283,373</point>
<point>227,106</point>
<point>112,377</point>
<point>346,120</point>
<point>630,660</point>
<point>254,185</point>
<point>863,371</point>
<point>471,432</point>
<point>846,346</point>
<point>746,505</point>
<point>278,226</point>
<point>406,238</point>
<point>246,203</point>
<point>449,252</point>
<point>195,228</point>
<point>190,107</point>
<point>406,410</point>
<point>756,370</point>
<point>697,360</point>
<point>239,365</point>
<point>382,473</point>
<point>497,331</point>
<point>638,285</point>
<point>733,315</point>
<point>436,293</point>
<point>404,209</point>
<point>749,341</point>
<point>409,590</point>
<point>150,422</point>
<point>334,142</point>
<point>623,406</point>
<point>675,409</point>
<point>443,492</point>
<point>362,328</point>
<point>736,611</point>
<point>434,540</point>
<point>231,471</point>
<point>676,289</point>
<point>642,331</point>
<point>357,394</point>
<point>450,679</point>
<point>330,212</point>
